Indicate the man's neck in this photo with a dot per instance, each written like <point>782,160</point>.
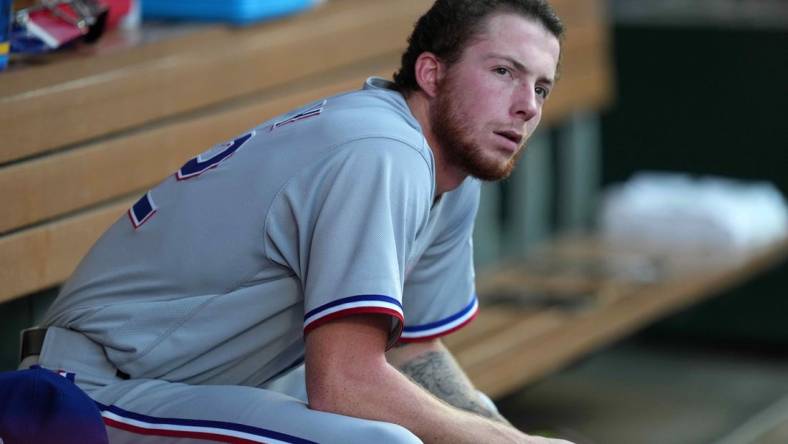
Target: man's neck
<point>447,176</point>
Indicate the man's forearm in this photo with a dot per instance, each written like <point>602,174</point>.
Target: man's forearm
<point>387,395</point>
<point>346,373</point>
<point>440,374</point>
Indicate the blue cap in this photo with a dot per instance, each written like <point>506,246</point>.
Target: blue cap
<point>41,407</point>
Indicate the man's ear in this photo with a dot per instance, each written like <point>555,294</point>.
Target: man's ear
<point>429,72</point>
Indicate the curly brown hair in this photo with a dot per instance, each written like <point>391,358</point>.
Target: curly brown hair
<point>449,25</point>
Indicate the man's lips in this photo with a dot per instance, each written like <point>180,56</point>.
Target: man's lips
<point>514,136</point>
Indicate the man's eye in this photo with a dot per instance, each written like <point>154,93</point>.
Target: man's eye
<point>501,71</point>
<point>542,92</point>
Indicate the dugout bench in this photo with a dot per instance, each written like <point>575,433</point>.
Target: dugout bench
<point>575,294</point>
<point>83,134</point>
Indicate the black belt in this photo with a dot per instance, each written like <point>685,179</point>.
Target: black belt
<point>33,342</point>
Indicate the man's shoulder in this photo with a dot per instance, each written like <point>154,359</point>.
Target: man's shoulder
<point>368,115</point>
<point>376,122</point>
<point>372,112</point>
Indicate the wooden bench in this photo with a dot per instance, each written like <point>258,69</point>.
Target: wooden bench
<point>575,294</point>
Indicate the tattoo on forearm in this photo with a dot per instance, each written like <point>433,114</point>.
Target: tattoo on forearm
<point>439,374</point>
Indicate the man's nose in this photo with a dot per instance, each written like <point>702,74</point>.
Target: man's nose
<point>525,105</point>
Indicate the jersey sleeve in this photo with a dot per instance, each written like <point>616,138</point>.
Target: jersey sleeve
<point>440,294</point>
<point>350,224</point>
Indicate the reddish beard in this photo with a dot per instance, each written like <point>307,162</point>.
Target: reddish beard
<point>453,137</point>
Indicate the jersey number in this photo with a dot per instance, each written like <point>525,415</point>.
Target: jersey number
<point>145,208</point>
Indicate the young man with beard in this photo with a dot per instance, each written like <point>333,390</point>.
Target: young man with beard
<point>338,235</point>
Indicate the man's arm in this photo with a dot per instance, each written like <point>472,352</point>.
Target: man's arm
<point>431,365</point>
<point>347,373</point>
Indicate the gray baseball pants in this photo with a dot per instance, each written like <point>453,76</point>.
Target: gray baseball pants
<point>156,411</point>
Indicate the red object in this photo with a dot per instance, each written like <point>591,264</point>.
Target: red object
<point>59,28</point>
<point>117,10</point>
<point>52,30</point>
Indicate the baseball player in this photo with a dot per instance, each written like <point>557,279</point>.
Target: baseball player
<point>292,284</point>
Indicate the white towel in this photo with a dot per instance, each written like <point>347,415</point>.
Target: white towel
<point>680,212</point>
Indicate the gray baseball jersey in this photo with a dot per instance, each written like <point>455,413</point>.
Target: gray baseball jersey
<point>215,274</point>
